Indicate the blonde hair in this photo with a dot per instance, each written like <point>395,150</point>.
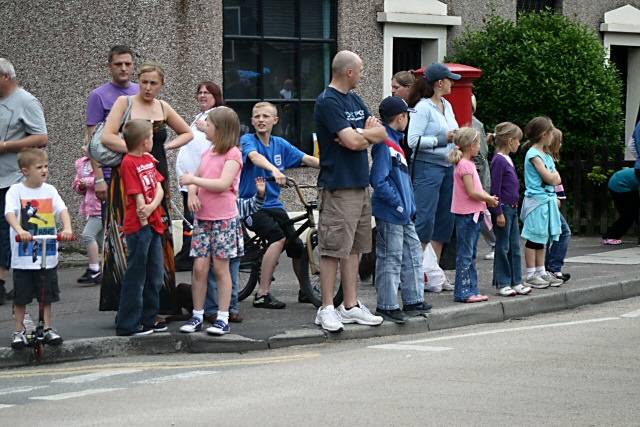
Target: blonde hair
<point>556,142</point>
<point>265,104</point>
<point>227,126</point>
<point>150,67</point>
<point>463,138</point>
<point>135,132</point>
<point>503,133</point>
<point>30,156</point>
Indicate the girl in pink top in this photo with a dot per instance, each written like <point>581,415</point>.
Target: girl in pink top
<point>212,197</point>
<point>91,209</point>
<point>469,203</point>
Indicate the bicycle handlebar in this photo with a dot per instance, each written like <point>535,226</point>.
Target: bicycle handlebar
<point>292,183</point>
<point>57,237</point>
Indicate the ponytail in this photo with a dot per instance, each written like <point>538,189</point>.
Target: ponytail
<point>455,155</point>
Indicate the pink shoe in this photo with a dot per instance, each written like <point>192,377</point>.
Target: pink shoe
<point>475,298</point>
<point>484,297</point>
<point>611,242</point>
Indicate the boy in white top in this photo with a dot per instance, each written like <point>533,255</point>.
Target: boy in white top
<point>31,209</point>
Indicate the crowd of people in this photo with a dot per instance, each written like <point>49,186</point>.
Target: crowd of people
<point>427,177</point>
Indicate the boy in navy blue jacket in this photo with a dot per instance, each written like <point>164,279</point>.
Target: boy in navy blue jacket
<point>398,249</point>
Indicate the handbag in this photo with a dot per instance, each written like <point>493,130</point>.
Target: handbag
<point>100,152</point>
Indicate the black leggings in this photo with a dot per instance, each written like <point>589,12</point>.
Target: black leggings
<point>627,205</point>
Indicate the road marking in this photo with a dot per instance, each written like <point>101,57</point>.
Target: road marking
<point>631,314</point>
<point>181,376</point>
<point>500,331</point>
<point>25,373</point>
<point>6,406</point>
<point>74,394</point>
<point>81,379</point>
<point>23,389</point>
<point>410,347</point>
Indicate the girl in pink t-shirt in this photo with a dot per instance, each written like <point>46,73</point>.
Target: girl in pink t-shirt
<point>469,202</point>
<point>217,235</point>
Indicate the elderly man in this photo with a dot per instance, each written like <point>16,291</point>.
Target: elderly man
<point>345,130</point>
<point>22,125</point>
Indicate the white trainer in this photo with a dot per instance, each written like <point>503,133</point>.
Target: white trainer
<point>329,319</point>
<point>359,314</point>
<point>507,291</point>
<point>448,286</point>
<point>521,289</point>
<point>537,282</point>
<point>552,279</point>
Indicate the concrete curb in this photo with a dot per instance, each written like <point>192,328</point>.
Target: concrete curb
<point>446,318</point>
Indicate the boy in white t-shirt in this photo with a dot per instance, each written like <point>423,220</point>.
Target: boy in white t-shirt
<point>31,209</point>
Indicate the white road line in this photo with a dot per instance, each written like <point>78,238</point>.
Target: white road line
<point>181,376</point>
<point>74,394</point>
<point>523,328</point>
<point>410,347</point>
<point>23,389</point>
<point>81,379</point>
<point>632,314</point>
<point>6,406</point>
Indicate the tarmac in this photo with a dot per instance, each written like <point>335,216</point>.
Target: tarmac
<point>598,274</point>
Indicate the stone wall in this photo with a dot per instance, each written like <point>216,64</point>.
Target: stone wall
<point>59,49</point>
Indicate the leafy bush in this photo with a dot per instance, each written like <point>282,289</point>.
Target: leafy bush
<point>547,64</point>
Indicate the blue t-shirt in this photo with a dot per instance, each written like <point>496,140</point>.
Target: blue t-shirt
<point>280,153</point>
<point>624,181</point>
<point>532,179</point>
<point>339,166</point>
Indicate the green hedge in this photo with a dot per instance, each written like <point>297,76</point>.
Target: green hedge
<point>548,64</point>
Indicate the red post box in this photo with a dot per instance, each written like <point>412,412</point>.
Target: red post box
<point>460,96</point>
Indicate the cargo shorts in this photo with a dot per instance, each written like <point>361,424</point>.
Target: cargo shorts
<point>344,225</point>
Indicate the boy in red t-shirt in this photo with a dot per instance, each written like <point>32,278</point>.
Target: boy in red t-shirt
<point>143,228</point>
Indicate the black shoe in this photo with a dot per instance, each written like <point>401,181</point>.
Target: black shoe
<point>160,326</point>
<point>417,309</point>
<point>267,301</point>
<point>89,276</point>
<point>303,298</point>
<point>145,330</point>
<point>3,294</point>
<point>562,276</point>
<point>396,316</point>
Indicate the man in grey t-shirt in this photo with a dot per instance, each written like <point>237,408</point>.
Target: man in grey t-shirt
<point>21,125</point>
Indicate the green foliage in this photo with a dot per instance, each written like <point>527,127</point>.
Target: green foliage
<point>547,64</point>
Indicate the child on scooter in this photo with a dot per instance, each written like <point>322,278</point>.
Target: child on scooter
<point>32,207</point>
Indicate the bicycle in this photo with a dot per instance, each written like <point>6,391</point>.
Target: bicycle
<point>255,247</point>
<point>35,338</point>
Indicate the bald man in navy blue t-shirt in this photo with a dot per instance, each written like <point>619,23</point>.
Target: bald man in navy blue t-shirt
<point>345,129</point>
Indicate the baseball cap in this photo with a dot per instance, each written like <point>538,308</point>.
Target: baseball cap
<point>391,106</point>
<point>439,71</point>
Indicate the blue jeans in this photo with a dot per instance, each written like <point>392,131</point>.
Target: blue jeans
<point>467,233</point>
<point>507,261</point>
<point>398,264</point>
<point>557,251</point>
<point>433,189</point>
<point>211,303</point>
<point>139,295</point>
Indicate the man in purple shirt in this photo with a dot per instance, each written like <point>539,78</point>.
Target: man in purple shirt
<point>102,99</point>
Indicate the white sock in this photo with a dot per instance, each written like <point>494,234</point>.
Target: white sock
<point>530,272</point>
<point>199,314</point>
<point>328,307</point>
<point>94,267</point>
<point>540,269</point>
<point>224,316</point>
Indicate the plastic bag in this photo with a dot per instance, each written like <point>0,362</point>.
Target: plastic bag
<point>434,277</point>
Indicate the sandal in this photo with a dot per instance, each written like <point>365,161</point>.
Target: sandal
<point>474,298</point>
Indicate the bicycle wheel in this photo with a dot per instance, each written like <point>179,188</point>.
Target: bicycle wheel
<point>249,274</point>
<point>311,273</point>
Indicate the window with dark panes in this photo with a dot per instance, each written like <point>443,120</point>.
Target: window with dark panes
<point>279,51</point>
<point>524,6</point>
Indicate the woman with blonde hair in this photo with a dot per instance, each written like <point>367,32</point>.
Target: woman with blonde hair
<point>144,105</point>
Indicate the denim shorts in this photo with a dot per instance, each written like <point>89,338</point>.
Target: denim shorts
<point>433,190</point>
<point>221,238</point>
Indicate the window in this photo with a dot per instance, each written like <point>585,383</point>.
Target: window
<point>279,51</point>
<point>525,6</point>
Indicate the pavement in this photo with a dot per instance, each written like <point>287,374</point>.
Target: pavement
<point>598,274</point>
